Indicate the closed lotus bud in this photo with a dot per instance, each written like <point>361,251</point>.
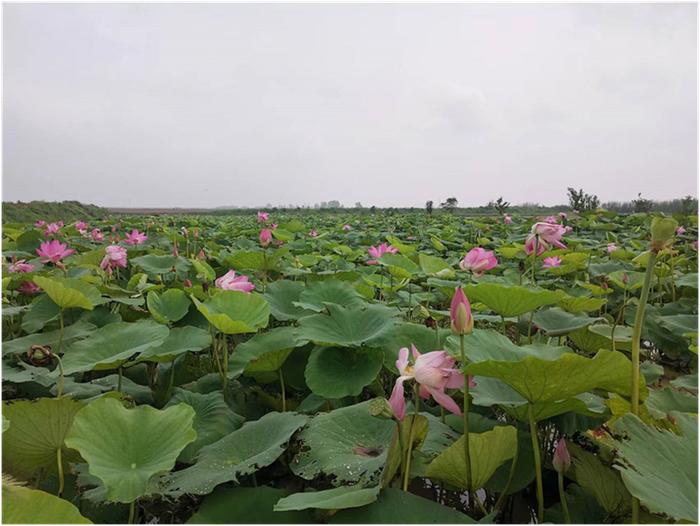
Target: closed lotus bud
<point>187,283</point>
<point>662,231</point>
<point>380,407</point>
<point>562,459</point>
<point>461,313</point>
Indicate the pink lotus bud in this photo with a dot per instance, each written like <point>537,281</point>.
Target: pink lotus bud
<point>507,219</point>
<point>461,313</point>
<point>187,283</point>
<point>265,236</point>
<point>562,459</point>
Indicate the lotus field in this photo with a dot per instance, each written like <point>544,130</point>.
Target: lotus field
<point>351,368</point>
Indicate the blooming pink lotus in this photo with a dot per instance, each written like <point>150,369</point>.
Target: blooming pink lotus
<point>478,260</point>
<point>379,251</point>
<point>563,215</point>
<point>461,313</point>
<point>135,238</point>
<point>347,227</point>
<point>115,257</point>
<point>313,233</point>
<point>434,372</point>
<point>507,219</point>
<point>544,235</point>
<point>551,262</point>
<point>81,226</point>
<point>612,247</point>
<point>39,223</point>
<point>229,281</point>
<point>680,230</point>
<point>20,267</point>
<point>53,251</point>
<point>265,236</point>
<point>551,220</point>
<point>97,236</point>
<point>263,217</point>
<point>531,241</point>
<point>53,228</point>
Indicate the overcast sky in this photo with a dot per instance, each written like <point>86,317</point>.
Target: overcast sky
<point>242,104</point>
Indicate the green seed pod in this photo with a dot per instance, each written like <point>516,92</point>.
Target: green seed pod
<point>662,231</point>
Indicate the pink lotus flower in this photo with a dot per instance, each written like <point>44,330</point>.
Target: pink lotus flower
<point>20,267</point>
<point>273,226</point>
<point>263,217</point>
<point>434,372</point>
<point>135,238</point>
<point>379,251</point>
<point>531,241</point>
<point>229,281</point>
<point>680,230</point>
<point>39,223</point>
<point>507,219</point>
<point>551,262</point>
<point>53,251</point>
<point>544,235</point>
<point>551,220</point>
<point>478,261</point>
<point>563,215</point>
<point>53,228</point>
<point>347,227</point>
<point>561,460</point>
<point>265,236</point>
<point>97,236</point>
<point>115,257</point>
<point>461,313</point>
<point>313,233</point>
<point>612,247</point>
<point>28,287</point>
<point>81,226</point>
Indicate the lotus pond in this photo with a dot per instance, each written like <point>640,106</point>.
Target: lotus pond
<point>350,368</point>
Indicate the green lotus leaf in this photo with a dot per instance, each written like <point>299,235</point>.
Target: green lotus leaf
<point>567,376</point>
<point>246,260</point>
<point>511,300</point>
<point>660,468</point>
<point>401,507</point>
<point>680,324</point>
<point>600,480</point>
<point>255,445</point>
<point>78,330</point>
<point>241,505</point>
<point>283,296</point>
<point>335,372</point>
<point>399,266</point>
<point>576,304</point>
<point>487,451</point>
<point>485,345</point>
<point>155,265</point>
<point>21,505</point>
<point>347,327</point>
<point>113,344</point>
<point>37,431</point>
<point>179,340</point>
<point>124,448</point>
<point>662,402</point>
<point>262,351</point>
<point>315,296</point>
<point>688,280</point>
<point>168,307</point>
<point>203,270</point>
<point>435,266</point>
<point>329,499</point>
<point>235,312</point>
<point>70,292</point>
<point>405,334</point>
<point>348,444</point>
<point>41,311</point>
<point>213,419</point>
<point>556,322</point>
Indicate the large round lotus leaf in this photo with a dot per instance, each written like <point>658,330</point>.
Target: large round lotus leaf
<point>556,322</point>
<point>70,292</point>
<point>246,260</point>
<point>21,505</point>
<point>255,445</point>
<point>539,380</point>
<point>399,266</point>
<point>511,300</point>
<point>329,499</point>
<point>213,419</point>
<point>348,444</point>
<point>401,507</point>
<point>688,280</point>
<point>335,372</point>
<point>41,311</point>
<point>680,324</point>
<point>263,348</point>
<point>112,344</point>
<point>348,327</point>
<point>487,452</point>
<point>576,304</point>
<point>180,340</point>
<point>155,265</point>
<point>235,312</point>
<point>37,430</point>
<point>589,341</point>
<point>435,266</point>
<point>484,345</point>
<point>660,468</point>
<point>126,447</point>
<point>241,505</point>
<point>168,307</point>
<point>71,333</point>
<point>283,296</point>
<point>331,291</point>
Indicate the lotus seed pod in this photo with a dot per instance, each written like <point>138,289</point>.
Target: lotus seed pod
<point>662,231</point>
